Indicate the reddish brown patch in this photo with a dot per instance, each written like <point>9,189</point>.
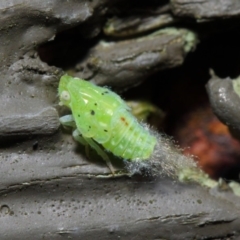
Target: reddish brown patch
<point>217,151</point>
<point>124,121</point>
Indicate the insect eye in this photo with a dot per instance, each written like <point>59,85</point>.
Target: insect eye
<point>65,96</point>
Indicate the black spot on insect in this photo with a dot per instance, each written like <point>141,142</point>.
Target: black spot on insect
<point>105,92</point>
<point>92,112</point>
<point>105,130</point>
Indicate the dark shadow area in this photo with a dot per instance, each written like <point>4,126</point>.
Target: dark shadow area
<point>67,48</point>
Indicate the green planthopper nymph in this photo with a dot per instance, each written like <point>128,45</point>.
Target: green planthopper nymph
<point>101,117</point>
<point>102,120</point>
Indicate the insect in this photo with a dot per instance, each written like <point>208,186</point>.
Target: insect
<point>103,121</point>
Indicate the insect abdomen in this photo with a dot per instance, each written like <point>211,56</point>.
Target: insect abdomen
<point>129,140</point>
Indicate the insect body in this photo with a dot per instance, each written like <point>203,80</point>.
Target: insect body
<point>101,117</point>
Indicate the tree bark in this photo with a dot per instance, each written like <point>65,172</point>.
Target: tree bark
<point>48,189</point>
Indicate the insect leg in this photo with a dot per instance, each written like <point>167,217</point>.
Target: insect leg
<point>101,153</point>
<point>79,138</point>
<point>67,121</point>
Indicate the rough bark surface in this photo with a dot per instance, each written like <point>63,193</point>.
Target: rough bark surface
<point>48,189</point>
<point>130,63</point>
<point>225,102</point>
<point>206,10</point>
